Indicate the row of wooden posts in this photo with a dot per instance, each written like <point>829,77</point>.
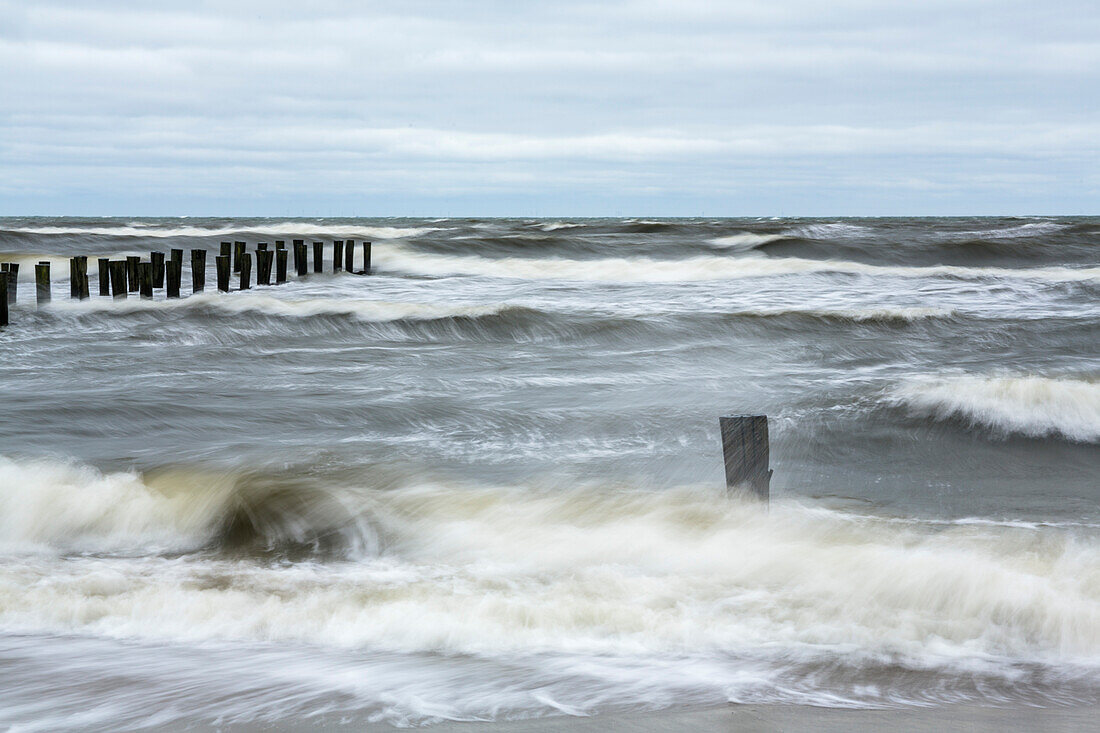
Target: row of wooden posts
<point>119,278</point>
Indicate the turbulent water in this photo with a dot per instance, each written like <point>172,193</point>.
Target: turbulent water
<point>486,482</point>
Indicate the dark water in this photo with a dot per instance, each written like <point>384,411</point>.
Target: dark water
<point>486,481</point>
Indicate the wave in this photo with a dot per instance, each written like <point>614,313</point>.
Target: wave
<point>364,310</point>
<point>1022,231</point>
<point>1025,405</point>
<point>744,240</point>
<point>501,571</point>
<point>288,229</point>
<point>399,259</point>
<point>63,506</point>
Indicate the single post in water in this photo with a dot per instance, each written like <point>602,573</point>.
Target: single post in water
<point>198,270</point>
<point>13,282</point>
<point>145,280</point>
<point>177,257</point>
<point>745,448</point>
<point>174,270</point>
<point>366,258</point>
<point>337,255</point>
<point>280,266</point>
<point>74,279</point>
<point>349,256</point>
<point>223,266</point>
<point>246,271</point>
<point>226,249</point>
<point>238,253</point>
<point>318,256</point>
<point>132,273</point>
<point>42,282</point>
<point>82,277</point>
<point>297,257</point>
<point>301,268</point>
<point>4,295</point>
<point>156,259</point>
<point>263,267</point>
<point>104,276</point>
<point>120,279</point>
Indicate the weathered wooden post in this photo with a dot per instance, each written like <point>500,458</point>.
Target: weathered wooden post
<point>82,277</point>
<point>132,273</point>
<point>263,266</point>
<point>238,252</point>
<point>13,281</point>
<point>349,256</point>
<point>74,279</point>
<point>337,255</point>
<point>177,257</point>
<point>745,448</point>
<point>301,260</point>
<point>120,280</point>
<point>156,259</point>
<point>42,282</point>
<point>225,249</point>
<point>318,256</point>
<point>280,266</point>
<point>198,270</point>
<point>366,258</point>
<point>145,280</point>
<point>104,276</point>
<point>223,266</point>
<point>4,296</point>
<point>297,257</point>
<point>174,270</point>
<point>246,271</point>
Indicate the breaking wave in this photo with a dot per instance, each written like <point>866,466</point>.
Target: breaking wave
<point>396,258</point>
<point>1025,405</point>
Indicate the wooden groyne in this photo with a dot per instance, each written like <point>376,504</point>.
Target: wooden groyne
<point>118,278</point>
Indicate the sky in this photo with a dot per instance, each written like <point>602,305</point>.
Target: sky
<point>494,108</point>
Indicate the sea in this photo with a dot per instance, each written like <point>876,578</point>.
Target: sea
<point>485,481</point>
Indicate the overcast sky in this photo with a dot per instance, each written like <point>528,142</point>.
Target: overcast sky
<point>641,107</point>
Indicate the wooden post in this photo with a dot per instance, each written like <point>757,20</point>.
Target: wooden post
<point>281,244</point>
<point>337,255</point>
<point>132,273</point>
<point>198,270</point>
<point>177,257</point>
<point>145,280</point>
<point>226,249</point>
<point>318,256</point>
<point>156,259</point>
<point>297,258</point>
<point>262,246</point>
<point>74,278</point>
<point>301,260</point>
<point>82,277</point>
<point>263,266</point>
<point>120,285</point>
<point>238,252</point>
<point>745,448</point>
<point>366,258</point>
<point>12,269</point>
<point>4,296</point>
<point>104,276</point>
<point>280,266</point>
<point>42,282</point>
<point>246,271</point>
<point>175,274</point>
<point>349,256</point>
<point>223,265</point>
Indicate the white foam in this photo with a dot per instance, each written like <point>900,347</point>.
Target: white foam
<point>251,302</point>
<point>1032,229</point>
<point>744,240</point>
<point>499,572</point>
<point>397,258</point>
<point>1027,405</point>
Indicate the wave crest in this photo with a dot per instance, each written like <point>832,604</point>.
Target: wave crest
<point>1032,406</point>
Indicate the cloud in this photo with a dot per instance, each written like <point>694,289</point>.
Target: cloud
<point>465,99</point>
